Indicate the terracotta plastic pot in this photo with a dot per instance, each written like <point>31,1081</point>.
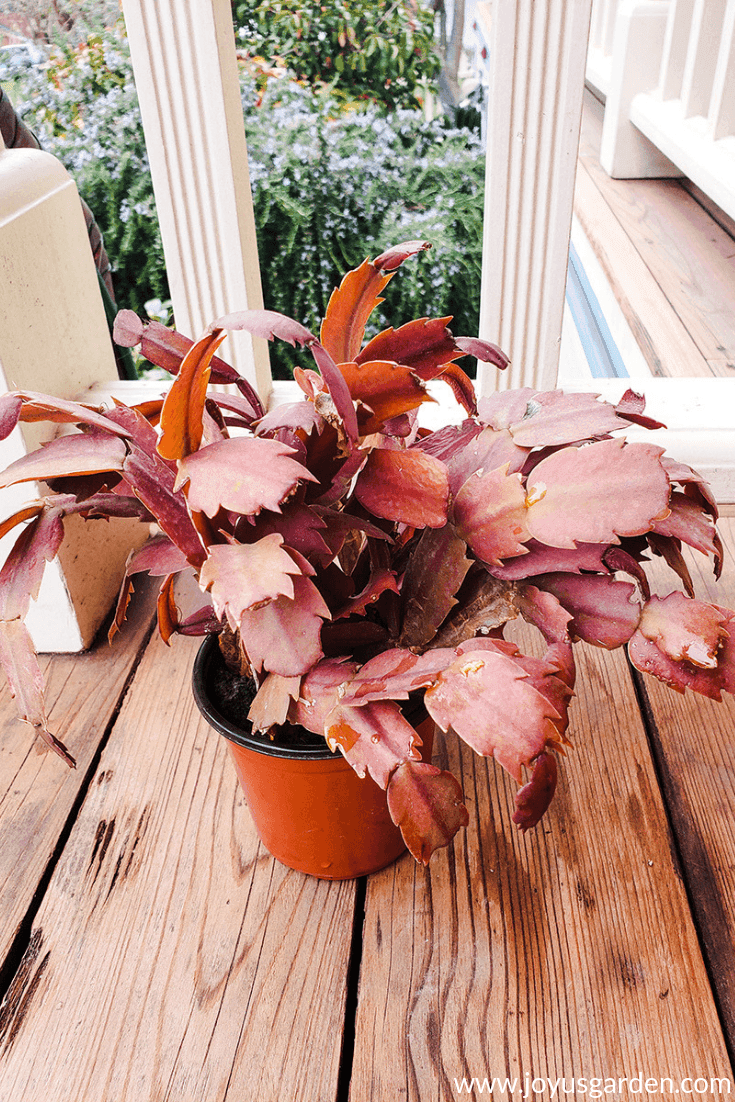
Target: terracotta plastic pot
<point>311,810</point>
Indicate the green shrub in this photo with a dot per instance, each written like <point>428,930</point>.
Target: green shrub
<point>382,51</point>
<point>330,187</point>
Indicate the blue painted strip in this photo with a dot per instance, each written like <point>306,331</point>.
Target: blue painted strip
<point>599,347</point>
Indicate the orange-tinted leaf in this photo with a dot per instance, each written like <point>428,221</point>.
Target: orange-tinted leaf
<point>461,386</point>
<point>273,700</point>
<point>374,738</point>
<point>423,345</point>
<point>404,485</point>
<point>168,614</point>
<point>425,802</point>
<point>387,388</point>
<point>350,306</point>
<point>41,407</point>
<point>80,453</point>
<point>183,409</point>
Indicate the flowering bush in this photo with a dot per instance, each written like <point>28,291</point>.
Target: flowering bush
<point>329,186</point>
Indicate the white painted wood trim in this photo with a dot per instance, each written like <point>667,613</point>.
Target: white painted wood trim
<point>637,51</point>
<point>538,56</point>
<point>688,142</point>
<point>183,54</point>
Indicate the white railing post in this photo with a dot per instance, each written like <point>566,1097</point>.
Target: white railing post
<point>637,51</point>
<point>183,54</point>
<point>534,110</point>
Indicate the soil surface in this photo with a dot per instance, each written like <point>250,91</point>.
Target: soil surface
<point>232,696</point>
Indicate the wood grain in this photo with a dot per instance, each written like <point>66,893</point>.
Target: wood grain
<point>172,957</point>
<point>662,337</point>
<point>37,790</point>
<point>568,952</point>
<point>695,741</point>
<point>683,249</point>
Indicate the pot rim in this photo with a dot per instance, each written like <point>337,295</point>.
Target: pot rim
<point>237,734</point>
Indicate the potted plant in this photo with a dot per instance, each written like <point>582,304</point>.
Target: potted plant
<point>358,568</point>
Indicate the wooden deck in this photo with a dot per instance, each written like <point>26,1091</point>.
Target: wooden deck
<point>152,950</point>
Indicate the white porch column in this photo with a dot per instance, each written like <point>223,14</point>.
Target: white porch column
<point>537,64</point>
<point>183,54</point>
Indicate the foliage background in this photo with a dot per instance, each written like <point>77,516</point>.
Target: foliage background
<point>333,182</point>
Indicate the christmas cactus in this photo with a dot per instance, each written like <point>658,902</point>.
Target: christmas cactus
<point>350,558</point>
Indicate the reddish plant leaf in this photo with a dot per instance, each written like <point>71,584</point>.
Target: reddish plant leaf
<point>394,674</point>
<point>631,407</point>
<point>22,572</point>
<point>25,513</point>
<point>404,485</point>
<point>183,408</point>
<point>10,407</point>
<point>268,324</point>
<point>18,659</point>
<point>121,608</point>
<point>554,418</point>
<point>617,559</point>
<point>388,389</point>
<point>596,493</point>
<point>505,407</point>
<point>461,386</point>
<point>153,483</point>
<point>685,630</point>
<point>244,474</point>
<point>670,550</point>
<point>694,485</point>
<point>272,701</point>
<point>374,738</point>
<point>168,614</point>
<point>349,308</point>
<point>243,576</point>
<point>424,345</point>
<point>543,610</point>
<point>80,453</point>
<point>338,391</point>
<point>604,611</point>
<point>201,622</point>
<point>294,415</point>
<point>450,441</point>
<point>681,674</point>
<point>532,801</point>
<point>689,522</point>
<point>157,557</point>
<point>487,451</point>
<point>381,581</point>
<point>127,330</point>
<point>483,351</point>
<point>300,525</point>
<point>425,802</point>
<point>396,255</point>
<point>490,515</point>
<point>320,692</point>
<point>435,571</point>
<point>486,698</point>
<point>42,407</point>
<point>540,559</point>
<point>284,635</point>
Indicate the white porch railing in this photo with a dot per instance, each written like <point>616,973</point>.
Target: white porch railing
<point>671,91</point>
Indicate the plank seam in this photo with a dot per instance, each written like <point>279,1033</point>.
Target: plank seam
<point>354,968</point>
<point>23,937</point>
<point>666,787</point>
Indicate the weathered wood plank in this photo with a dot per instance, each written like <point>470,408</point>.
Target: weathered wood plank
<point>172,958</point>
<point>687,253</point>
<point>695,741</point>
<point>37,790</point>
<point>568,952</point>
<point>662,337</point>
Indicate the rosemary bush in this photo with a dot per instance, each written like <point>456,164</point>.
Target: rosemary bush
<point>330,186</point>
